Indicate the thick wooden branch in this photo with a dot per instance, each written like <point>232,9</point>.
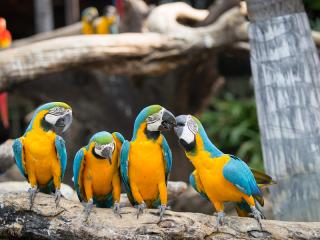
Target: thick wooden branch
<point>6,156</point>
<point>45,221</point>
<point>124,54</point>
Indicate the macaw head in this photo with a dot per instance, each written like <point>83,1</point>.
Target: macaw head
<point>89,14</point>
<point>110,11</point>
<point>104,145</point>
<point>156,118</point>
<point>187,128</point>
<point>52,116</point>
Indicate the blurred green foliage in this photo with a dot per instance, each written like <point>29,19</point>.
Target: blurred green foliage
<point>232,125</point>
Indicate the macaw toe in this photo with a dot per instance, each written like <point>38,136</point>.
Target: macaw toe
<point>162,209</point>
<point>140,209</point>
<point>57,197</point>
<point>32,191</point>
<point>220,216</point>
<point>257,215</point>
<point>87,209</point>
<point>116,209</point>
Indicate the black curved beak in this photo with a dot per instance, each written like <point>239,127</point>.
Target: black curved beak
<point>168,121</point>
<point>107,153</point>
<point>64,121</point>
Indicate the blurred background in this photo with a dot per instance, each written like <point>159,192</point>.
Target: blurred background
<point>214,85</point>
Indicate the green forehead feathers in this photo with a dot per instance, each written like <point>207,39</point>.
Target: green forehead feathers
<point>102,138</point>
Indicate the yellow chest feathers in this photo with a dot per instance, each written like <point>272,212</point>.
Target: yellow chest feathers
<point>99,171</point>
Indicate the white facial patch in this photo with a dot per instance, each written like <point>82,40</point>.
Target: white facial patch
<point>154,121</point>
<point>189,130</point>
<point>98,148</point>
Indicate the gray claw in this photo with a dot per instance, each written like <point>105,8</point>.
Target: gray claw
<point>220,216</point>
<point>116,209</point>
<point>257,215</point>
<point>32,192</point>
<point>87,209</point>
<point>140,208</point>
<point>162,209</point>
<point>57,197</point>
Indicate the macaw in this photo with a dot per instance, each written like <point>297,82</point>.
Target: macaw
<point>219,177</point>
<point>88,17</point>
<point>146,160</point>
<point>96,172</point>
<point>40,153</point>
<point>5,42</point>
<point>5,35</point>
<point>108,23</point>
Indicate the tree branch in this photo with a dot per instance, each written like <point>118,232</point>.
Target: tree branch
<point>66,222</point>
<point>124,54</point>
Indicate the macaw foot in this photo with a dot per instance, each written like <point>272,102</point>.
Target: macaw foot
<point>140,208</point>
<point>162,209</point>
<point>220,216</point>
<point>32,191</point>
<point>257,215</point>
<point>57,197</point>
<point>87,209</point>
<point>116,209</point>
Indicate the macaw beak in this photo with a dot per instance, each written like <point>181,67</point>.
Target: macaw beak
<point>107,153</point>
<point>168,121</point>
<point>178,129</point>
<point>4,109</point>
<point>65,120</point>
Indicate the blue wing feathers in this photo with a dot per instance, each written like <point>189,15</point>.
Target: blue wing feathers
<point>237,172</point>
<point>167,157</point>
<point>18,155</point>
<point>78,159</point>
<point>62,154</point>
<point>120,137</point>
<point>124,169</point>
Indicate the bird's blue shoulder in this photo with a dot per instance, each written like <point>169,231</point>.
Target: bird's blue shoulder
<point>237,172</point>
<point>62,154</point>
<point>167,154</point>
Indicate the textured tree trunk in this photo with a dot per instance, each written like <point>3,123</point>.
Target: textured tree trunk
<point>72,11</point>
<point>285,67</point>
<point>43,15</point>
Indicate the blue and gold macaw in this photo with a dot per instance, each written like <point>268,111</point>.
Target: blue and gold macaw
<point>88,18</point>
<point>146,160</point>
<point>219,177</point>
<point>40,153</point>
<point>108,23</point>
<point>96,172</point>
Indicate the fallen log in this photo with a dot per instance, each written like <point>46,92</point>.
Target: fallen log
<point>66,222</point>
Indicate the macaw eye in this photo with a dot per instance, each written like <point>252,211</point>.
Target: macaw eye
<point>153,118</point>
<point>98,147</point>
<point>180,124</point>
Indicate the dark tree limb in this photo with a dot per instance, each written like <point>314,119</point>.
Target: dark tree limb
<point>66,222</point>
<point>124,54</point>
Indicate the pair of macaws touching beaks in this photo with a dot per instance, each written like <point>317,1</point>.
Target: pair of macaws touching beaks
<point>144,163</point>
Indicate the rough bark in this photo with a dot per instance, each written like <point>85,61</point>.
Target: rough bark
<point>43,15</point>
<point>124,54</point>
<point>66,222</point>
<point>6,156</point>
<point>72,11</point>
<point>285,67</point>
<point>175,189</point>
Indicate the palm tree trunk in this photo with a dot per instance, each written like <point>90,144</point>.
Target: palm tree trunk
<point>286,74</point>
